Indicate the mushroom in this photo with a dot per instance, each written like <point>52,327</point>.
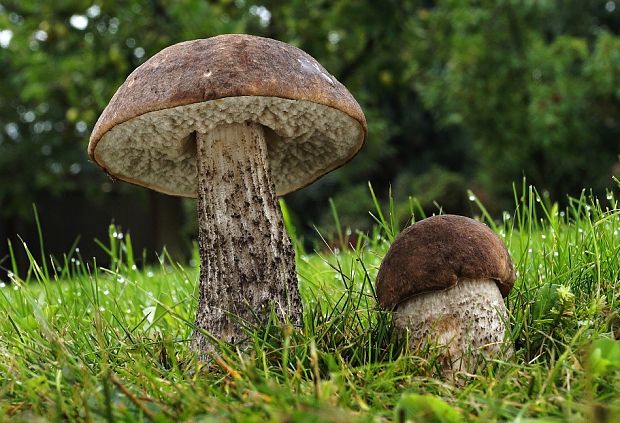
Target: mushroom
<point>445,277</point>
<point>235,120</point>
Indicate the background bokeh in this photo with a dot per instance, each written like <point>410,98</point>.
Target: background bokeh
<point>458,95</point>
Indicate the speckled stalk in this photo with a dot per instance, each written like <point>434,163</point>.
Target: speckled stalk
<point>247,260</point>
<point>466,321</point>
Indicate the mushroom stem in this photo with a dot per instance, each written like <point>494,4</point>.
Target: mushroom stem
<point>466,321</point>
<point>247,260</point>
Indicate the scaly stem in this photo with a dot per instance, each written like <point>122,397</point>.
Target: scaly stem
<point>247,262</point>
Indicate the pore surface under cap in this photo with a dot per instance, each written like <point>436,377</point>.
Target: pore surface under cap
<point>287,90</point>
<point>304,140</point>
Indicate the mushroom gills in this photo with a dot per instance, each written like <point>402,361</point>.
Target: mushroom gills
<point>467,322</point>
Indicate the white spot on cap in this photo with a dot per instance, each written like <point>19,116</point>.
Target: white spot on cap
<point>311,67</point>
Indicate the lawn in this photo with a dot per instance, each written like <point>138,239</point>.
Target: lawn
<point>82,342</point>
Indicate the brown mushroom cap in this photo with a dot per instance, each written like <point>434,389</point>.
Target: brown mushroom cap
<point>145,134</point>
<point>437,252</point>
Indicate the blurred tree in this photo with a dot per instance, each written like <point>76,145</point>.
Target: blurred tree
<point>364,44</point>
<point>531,84</point>
<point>463,93</point>
<point>60,63</point>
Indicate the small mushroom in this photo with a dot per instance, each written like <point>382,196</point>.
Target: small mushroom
<point>235,120</point>
<point>445,277</point>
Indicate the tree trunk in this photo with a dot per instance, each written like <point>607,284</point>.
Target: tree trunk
<point>247,260</point>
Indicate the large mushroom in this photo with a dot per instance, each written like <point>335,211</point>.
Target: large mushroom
<point>235,120</point>
<point>445,278</point>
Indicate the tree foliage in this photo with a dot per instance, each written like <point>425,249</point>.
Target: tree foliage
<point>464,93</point>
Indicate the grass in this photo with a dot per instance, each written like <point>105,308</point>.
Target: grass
<point>80,342</point>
